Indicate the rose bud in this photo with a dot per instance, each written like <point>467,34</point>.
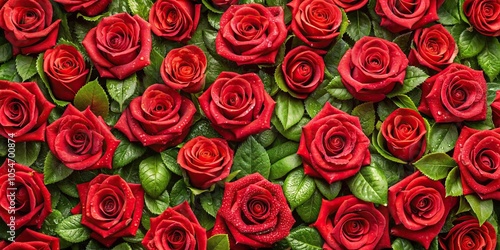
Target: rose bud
<point>29,239</point>
<point>86,7</point>
<point>174,20</point>
<point>467,234</point>
<point>184,69</point>
<point>483,16</point>
<point>404,15</point>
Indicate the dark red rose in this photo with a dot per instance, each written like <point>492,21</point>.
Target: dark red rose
<point>159,119</point>
<point>66,71</point>
<point>455,94</point>
<point>224,4</point>
<point>31,240</point>
<point>254,213</point>
<point>483,16</point>
<point>434,48</point>
<point>119,46</point>
<point>419,207</point>
<point>206,160</point>
<point>184,69</point>
<point>404,133</point>
<point>467,234</point>
<point>372,68</point>
<point>23,195</point>
<point>24,111</point>
<point>28,25</point>
<point>350,5</point>
<point>349,223</point>
<point>86,7</point>
<point>303,70</point>
<point>315,22</point>
<point>237,105</point>
<point>174,20</point>
<point>110,207</point>
<point>477,154</point>
<point>176,228</point>
<point>333,146</point>
<point>251,34</point>
<point>495,108</point>
<point>81,141</point>
<point>403,15</point>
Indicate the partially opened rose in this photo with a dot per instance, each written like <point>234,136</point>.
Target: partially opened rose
<point>174,20</point>
<point>31,240</point>
<point>404,15</point>
<point>351,5</point>
<point>86,7</point>
<point>184,69</point>
<point>467,234</point>
<point>483,15</point>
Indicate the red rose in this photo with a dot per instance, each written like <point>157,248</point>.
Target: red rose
<point>483,16</point>
<point>251,34</point>
<point>237,105</point>
<point>66,71</point>
<point>119,46</point>
<point>403,15</point>
<point>31,202</point>
<point>184,68</point>
<point>206,160</point>
<point>175,20</point>
<point>434,48</point>
<point>81,141</point>
<point>333,146</point>
<point>315,22</point>
<point>495,108</point>
<point>159,119</point>
<point>350,5</point>
<point>254,213</point>
<point>86,7</point>
<point>28,25</point>
<point>110,207</point>
<point>176,228</point>
<point>224,4</point>
<point>404,132</point>
<point>303,70</point>
<point>455,94</point>
<point>349,223</point>
<point>478,158</point>
<point>23,111</point>
<point>371,69</point>
<point>467,234</point>
<point>31,240</point>
<point>419,207</point>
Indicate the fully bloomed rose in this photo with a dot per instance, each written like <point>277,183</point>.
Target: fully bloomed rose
<point>81,141</point>
<point>28,25</point>
<point>349,223</point>
<point>434,48</point>
<point>176,228</point>
<point>159,119</point>
<point>224,4</point>
<point>419,207</point>
<point>66,71</point>
<point>484,16</point>
<point>404,133</point>
<point>254,213</point>
<point>350,5</point>
<point>28,197</point>
<point>467,234</point>
<point>495,108</point>
<point>175,20</point>
<point>86,7</point>
<point>119,46</point>
<point>110,207</point>
<point>251,34</point>
<point>333,146</point>
<point>31,240</point>
<point>372,68</point>
<point>237,105</point>
<point>206,160</point>
<point>403,15</point>
<point>184,69</point>
<point>455,94</point>
<point>316,22</point>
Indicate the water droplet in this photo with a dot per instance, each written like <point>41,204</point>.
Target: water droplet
<point>439,113</point>
<point>141,58</point>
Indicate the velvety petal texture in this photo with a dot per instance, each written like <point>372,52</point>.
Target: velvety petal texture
<point>184,69</point>
<point>31,240</point>
<point>350,5</point>
<point>224,4</point>
<point>495,108</point>
<point>484,16</point>
<point>174,20</point>
<point>86,7</point>
<point>467,234</point>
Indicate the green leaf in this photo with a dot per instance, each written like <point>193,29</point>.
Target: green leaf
<point>152,71</point>
<point>470,44</point>
<point>284,165</point>
<point>27,152</point>
<point>289,110</point>
<point>8,72</point>
<point>154,176</point>
<point>214,19</point>
<point>41,73</point>
<point>369,184</point>
<point>54,170</point>
<point>171,163</point>
<point>202,127</point>
<point>414,77</point>
<point>140,7</point>
<point>26,66</point>
<point>122,246</point>
<point>298,188</point>
<point>309,210</point>
<point>121,91</point>
<point>92,18</point>
<point>179,193</point>
<point>139,236</point>
<point>493,87</point>
<point>436,165</point>
<point>5,50</point>
<point>92,95</point>
<point>337,89</point>
<point>305,238</point>
<point>72,230</point>
<point>332,58</point>
<point>211,201</point>
<point>50,222</point>
<point>382,32</point>
<point>366,114</point>
<point>402,244</point>
<point>453,183</point>
<point>385,108</point>
<point>266,137</point>
<point>359,26</point>
<point>481,208</point>
<point>329,191</point>
<point>463,206</point>
<point>448,13</point>
<point>403,101</point>
<point>250,158</point>
<point>378,143</point>
<point>404,41</point>
<point>118,6</point>
<point>218,242</point>
<point>208,5</point>
<point>126,152</point>
<point>442,137</point>
<point>489,58</point>
<point>282,150</point>
<point>159,204</point>
<point>292,133</point>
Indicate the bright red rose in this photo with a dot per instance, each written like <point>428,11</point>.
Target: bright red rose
<point>455,94</point>
<point>31,240</point>
<point>81,141</point>
<point>484,16</point>
<point>495,108</point>
<point>351,5</point>
<point>372,68</point>
<point>176,228</point>
<point>184,69</point>
<point>467,234</point>
<point>254,213</point>
<point>333,146</point>
<point>66,71</point>
<point>206,160</point>
<point>86,7</point>
<point>224,4</point>
<point>419,207</point>
<point>24,111</point>
<point>174,20</point>
<point>159,119</point>
<point>237,105</point>
<point>119,46</point>
<point>28,25</point>
<point>110,207</point>
<point>251,34</point>
<point>349,223</point>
